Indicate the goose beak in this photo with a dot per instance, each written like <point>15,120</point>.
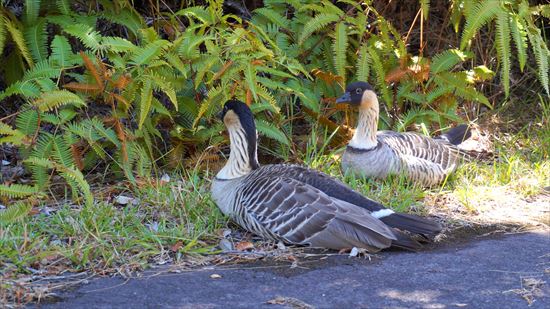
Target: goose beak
<point>345,98</point>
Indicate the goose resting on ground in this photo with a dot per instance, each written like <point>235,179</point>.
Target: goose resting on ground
<point>302,206</point>
<point>371,153</point>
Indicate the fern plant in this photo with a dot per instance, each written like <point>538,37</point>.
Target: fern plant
<point>515,22</point>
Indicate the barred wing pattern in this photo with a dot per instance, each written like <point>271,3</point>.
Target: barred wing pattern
<point>281,208</point>
<point>426,160</point>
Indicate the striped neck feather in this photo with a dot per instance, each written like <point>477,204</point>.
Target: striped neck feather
<point>243,157</point>
<point>367,126</point>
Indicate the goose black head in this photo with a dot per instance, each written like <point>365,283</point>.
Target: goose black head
<point>354,93</point>
<point>237,115</point>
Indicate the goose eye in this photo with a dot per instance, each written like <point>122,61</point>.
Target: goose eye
<point>358,90</point>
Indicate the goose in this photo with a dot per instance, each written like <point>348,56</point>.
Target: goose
<point>377,154</point>
<point>302,206</point>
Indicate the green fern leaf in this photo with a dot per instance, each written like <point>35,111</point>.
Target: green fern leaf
<point>43,149</point>
<point>340,47</point>
<point>27,121</point>
<point>43,69</point>
<point>86,34</point>
<point>272,16</point>
<point>503,48</point>
<point>32,8</point>
<point>17,190</point>
<point>76,180</point>
<point>380,76</point>
<point>148,53</point>
<point>63,6</point>
<point>316,24</point>
<point>519,35</point>
<point>61,152</point>
<point>145,102</point>
<point>3,34</point>
<point>271,131</point>
<point>54,99</point>
<point>25,89</point>
<point>36,36</point>
<point>447,60</point>
<point>61,51</point>
<point>425,7</point>
<point>363,64</point>
<point>480,15</point>
<point>16,212</point>
<point>197,12</point>
<point>128,17</point>
<point>159,82</point>
<point>19,40</point>
<point>117,44</point>
<point>540,49</point>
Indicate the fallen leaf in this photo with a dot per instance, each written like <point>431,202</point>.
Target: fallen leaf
<point>244,245</point>
<point>177,246</point>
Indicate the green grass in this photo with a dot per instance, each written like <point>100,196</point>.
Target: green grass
<point>109,236</point>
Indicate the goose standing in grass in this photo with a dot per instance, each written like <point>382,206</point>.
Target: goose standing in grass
<point>297,205</point>
<point>372,153</point>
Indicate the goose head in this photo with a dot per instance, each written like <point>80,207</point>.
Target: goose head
<point>360,94</point>
<point>239,121</point>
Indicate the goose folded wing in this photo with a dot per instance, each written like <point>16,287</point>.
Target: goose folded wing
<point>422,147</point>
<point>301,214</point>
<point>323,182</point>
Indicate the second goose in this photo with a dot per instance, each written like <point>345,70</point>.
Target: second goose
<point>372,153</point>
<point>302,206</point>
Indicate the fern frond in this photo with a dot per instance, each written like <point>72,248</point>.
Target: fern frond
<point>340,47</point>
<point>145,101</point>
<point>117,44</point>
<point>17,190</point>
<point>542,54</point>
<point>272,16</point>
<point>15,212</point>
<point>271,131</point>
<point>159,82</point>
<point>425,7</point>
<point>36,37</point>
<point>61,51</point>
<point>3,35</point>
<point>86,34</point>
<point>43,69</point>
<point>197,12</point>
<point>32,8</point>
<point>25,89</point>
<point>479,16</point>
<point>447,60</point>
<point>54,99</point>
<point>503,48</point>
<point>363,64</point>
<point>519,35</point>
<point>148,53</point>
<point>62,152</point>
<point>76,180</point>
<point>19,40</point>
<point>380,75</point>
<point>27,121</point>
<point>63,6</point>
<point>315,24</point>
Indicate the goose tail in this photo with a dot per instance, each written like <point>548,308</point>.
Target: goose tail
<point>404,241</point>
<point>408,222</point>
<point>457,134</point>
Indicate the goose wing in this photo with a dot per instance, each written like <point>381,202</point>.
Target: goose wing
<point>336,189</point>
<point>418,148</point>
<point>298,213</point>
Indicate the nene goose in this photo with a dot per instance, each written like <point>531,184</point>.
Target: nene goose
<point>297,205</point>
<point>424,160</point>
